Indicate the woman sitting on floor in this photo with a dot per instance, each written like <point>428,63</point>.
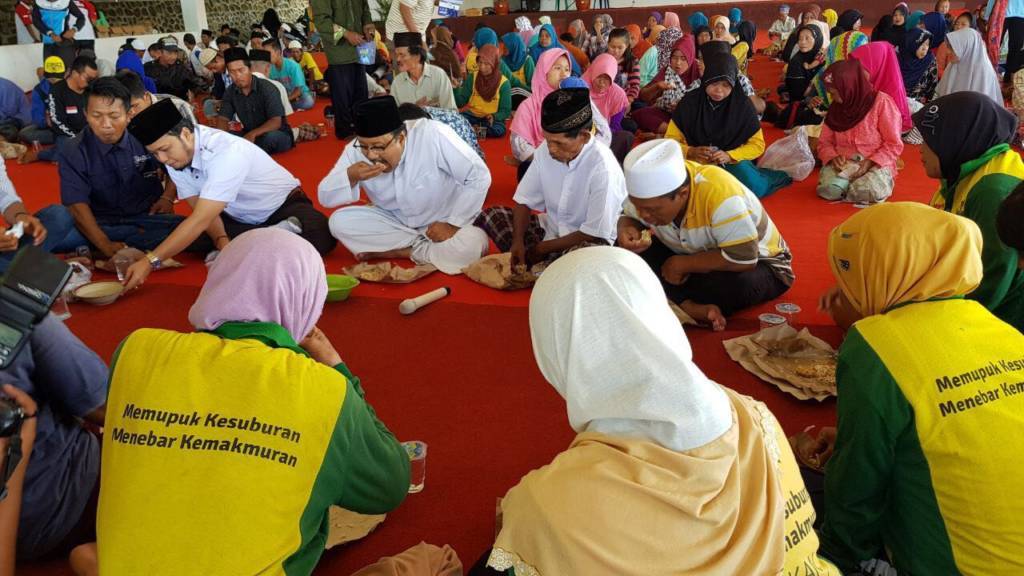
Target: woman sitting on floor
<point>284,415</point>
<point>520,64</point>
<point>799,74</point>
<point>747,34</point>
<point>637,42</point>
<point>967,148</point>
<point>883,68</point>
<point>680,75</point>
<point>526,134</point>
<point>790,48</point>
<point>609,97</point>
<point>719,48</point>
<point>917,65</point>
<point>738,48</point>
<point>860,139</point>
<point>669,473</point>
<point>898,29</point>
<point>485,98</point>
<point>702,35</point>
<point>627,74</point>
<point>969,69</point>
<point>838,50</point>
<point>717,124</point>
<point>482,37</point>
<point>657,57</point>
<point>547,40</point>
<point>916,477</point>
<point>597,43</point>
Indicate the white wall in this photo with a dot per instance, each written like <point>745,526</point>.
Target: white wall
<point>18,63</point>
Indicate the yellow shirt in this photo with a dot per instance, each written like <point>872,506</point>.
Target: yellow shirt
<point>308,63</point>
<point>750,150</point>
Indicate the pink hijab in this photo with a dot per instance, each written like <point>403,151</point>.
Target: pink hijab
<point>526,123</point>
<point>613,100</point>
<point>883,66</point>
<point>264,275</point>
<point>671,20</point>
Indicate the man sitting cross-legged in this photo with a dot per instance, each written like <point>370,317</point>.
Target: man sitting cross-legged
<point>575,182</point>
<point>231,185</point>
<point>426,185</point>
<point>714,246</point>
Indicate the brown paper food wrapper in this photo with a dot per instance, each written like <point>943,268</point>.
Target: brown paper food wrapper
<point>388,273</point>
<point>495,271</point>
<point>796,362</point>
<point>347,526</point>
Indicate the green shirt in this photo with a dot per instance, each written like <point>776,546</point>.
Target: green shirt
<point>351,15</point>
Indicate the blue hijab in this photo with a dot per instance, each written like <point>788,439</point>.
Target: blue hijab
<point>536,50</point>
<point>935,23</point>
<point>516,48</point>
<point>483,37</point>
<point>697,20</point>
<point>735,17</point>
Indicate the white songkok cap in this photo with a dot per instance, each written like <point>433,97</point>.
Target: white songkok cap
<point>138,45</point>
<point>295,45</point>
<point>655,168</point>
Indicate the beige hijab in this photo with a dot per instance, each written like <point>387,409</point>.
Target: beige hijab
<point>670,473</point>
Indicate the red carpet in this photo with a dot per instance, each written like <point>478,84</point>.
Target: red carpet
<point>460,374</point>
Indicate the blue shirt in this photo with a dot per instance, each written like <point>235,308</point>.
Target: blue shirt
<point>67,380</point>
<point>129,60</point>
<point>13,104</point>
<point>290,74</point>
<point>116,181</point>
<point>1014,9</point>
<point>40,95</point>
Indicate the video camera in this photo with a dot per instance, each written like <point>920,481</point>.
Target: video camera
<point>28,289</point>
<point>32,283</point>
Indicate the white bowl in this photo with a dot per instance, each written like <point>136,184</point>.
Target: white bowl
<point>99,293</point>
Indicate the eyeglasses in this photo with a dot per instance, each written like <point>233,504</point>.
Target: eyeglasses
<point>380,149</point>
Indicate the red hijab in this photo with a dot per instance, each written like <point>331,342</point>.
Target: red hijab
<point>850,80</point>
<point>487,86</point>
<point>640,44</point>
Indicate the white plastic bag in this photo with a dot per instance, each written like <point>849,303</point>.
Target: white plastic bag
<point>791,155</point>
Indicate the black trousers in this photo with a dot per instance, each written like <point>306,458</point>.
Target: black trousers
<point>1015,47</point>
<point>730,291</point>
<point>314,224</point>
<point>348,88</point>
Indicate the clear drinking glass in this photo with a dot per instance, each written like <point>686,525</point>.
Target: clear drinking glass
<point>417,452</point>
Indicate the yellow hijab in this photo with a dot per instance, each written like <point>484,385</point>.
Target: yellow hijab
<point>892,254</point>
<point>830,17</point>
<point>656,31</point>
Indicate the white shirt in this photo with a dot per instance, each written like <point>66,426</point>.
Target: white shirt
<point>422,11</point>
<point>523,150</point>
<point>288,110</point>
<point>8,195</point>
<point>226,168</point>
<point>439,179</point>
<point>585,195</point>
<point>87,32</point>
<point>434,85</point>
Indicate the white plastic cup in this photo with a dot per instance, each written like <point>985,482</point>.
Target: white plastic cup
<point>417,451</point>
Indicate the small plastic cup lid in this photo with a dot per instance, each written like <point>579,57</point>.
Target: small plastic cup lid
<point>787,308</point>
<point>771,319</point>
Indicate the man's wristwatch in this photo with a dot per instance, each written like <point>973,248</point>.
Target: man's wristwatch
<point>154,261</point>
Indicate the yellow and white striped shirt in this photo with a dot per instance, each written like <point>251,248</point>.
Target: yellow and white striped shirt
<point>723,214</point>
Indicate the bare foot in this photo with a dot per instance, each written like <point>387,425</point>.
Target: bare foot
<point>705,314</point>
<point>390,254</point>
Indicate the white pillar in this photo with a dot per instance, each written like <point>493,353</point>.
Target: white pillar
<point>193,12</point>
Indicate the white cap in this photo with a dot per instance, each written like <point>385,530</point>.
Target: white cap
<point>138,44</point>
<point>295,45</point>
<point>655,168</point>
<point>287,28</point>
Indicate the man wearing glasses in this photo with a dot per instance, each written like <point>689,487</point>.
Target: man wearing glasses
<point>231,185</point>
<point>425,186</point>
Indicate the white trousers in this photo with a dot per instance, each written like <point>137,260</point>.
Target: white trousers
<point>370,229</point>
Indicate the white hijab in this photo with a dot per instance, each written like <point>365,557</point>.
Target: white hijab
<point>973,72</point>
<point>605,338</point>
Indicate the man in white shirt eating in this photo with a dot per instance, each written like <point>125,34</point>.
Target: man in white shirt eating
<point>574,181</point>
<point>426,186</point>
<point>231,184</point>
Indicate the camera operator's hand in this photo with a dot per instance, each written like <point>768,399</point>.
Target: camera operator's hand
<point>28,426</point>
<point>8,243</point>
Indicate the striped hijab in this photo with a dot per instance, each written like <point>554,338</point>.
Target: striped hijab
<point>839,49</point>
